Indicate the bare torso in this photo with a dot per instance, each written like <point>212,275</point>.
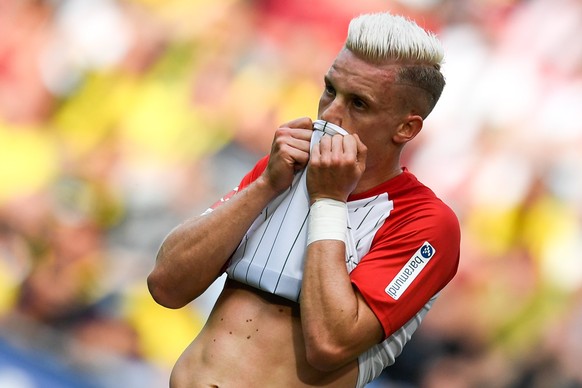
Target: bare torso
<point>253,339</point>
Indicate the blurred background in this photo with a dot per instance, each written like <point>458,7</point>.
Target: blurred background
<point>121,118</point>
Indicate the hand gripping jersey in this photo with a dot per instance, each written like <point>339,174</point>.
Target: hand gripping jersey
<point>270,256</point>
<point>402,249</point>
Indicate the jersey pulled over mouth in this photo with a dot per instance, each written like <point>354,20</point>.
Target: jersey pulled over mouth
<point>329,128</point>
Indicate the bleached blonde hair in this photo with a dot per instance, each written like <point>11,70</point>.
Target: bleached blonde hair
<point>384,37</point>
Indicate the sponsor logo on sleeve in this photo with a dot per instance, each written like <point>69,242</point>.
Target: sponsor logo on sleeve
<point>410,271</point>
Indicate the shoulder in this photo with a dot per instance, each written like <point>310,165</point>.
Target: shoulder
<point>249,178</point>
<point>415,202</point>
<point>414,211</point>
<point>252,175</point>
<point>418,216</point>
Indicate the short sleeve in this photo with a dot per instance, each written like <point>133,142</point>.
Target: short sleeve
<point>412,257</point>
<point>249,178</point>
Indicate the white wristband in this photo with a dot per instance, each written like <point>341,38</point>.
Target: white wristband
<point>328,220</point>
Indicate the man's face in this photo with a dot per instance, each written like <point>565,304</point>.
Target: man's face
<point>361,98</point>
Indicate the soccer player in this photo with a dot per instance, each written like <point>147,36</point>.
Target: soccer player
<point>334,251</point>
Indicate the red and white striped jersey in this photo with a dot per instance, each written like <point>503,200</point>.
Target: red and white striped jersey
<point>403,247</point>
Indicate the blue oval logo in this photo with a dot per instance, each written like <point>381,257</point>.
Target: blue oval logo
<point>427,251</point>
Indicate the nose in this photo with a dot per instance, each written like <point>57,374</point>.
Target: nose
<point>332,112</point>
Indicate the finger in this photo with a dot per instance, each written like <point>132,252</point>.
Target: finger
<point>301,134</point>
<point>325,146</point>
<point>315,154</point>
<point>292,137</point>
<point>300,158</point>
<point>337,146</point>
<point>350,147</point>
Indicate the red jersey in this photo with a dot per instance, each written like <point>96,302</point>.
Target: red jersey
<point>412,252</point>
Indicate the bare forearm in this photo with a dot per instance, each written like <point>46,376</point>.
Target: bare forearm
<point>193,254</point>
<point>327,300</point>
<point>337,324</point>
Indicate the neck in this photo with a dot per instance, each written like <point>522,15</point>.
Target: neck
<point>374,176</point>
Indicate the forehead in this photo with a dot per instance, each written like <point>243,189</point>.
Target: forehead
<point>354,73</point>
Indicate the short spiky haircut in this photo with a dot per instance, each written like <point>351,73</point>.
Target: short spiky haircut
<point>383,37</point>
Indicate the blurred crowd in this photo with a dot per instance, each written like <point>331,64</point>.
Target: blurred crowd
<point>121,118</point>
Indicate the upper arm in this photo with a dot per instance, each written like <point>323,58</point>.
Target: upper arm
<point>407,265</point>
<point>370,327</point>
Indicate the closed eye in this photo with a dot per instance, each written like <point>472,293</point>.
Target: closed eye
<point>329,90</point>
<point>359,103</point>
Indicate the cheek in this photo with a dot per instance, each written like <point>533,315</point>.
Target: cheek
<point>376,134</point>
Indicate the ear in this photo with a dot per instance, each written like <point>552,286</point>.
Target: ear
<point>408,129</point>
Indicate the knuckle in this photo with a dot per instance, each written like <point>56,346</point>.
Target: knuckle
<point>282,131</point>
